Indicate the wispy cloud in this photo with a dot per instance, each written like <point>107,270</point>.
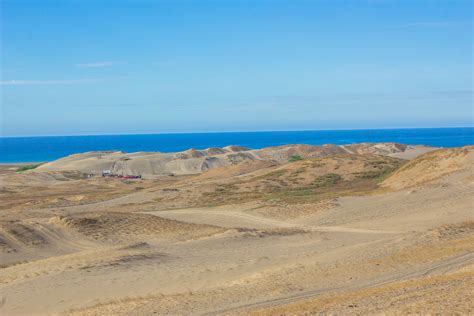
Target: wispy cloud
<point>436,24</point>
<point>100,64</point>
<point>46,82</point>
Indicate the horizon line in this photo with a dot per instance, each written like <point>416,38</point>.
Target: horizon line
<point>237,131</point>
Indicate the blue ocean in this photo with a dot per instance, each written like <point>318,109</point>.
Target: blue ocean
<point>42,149</point>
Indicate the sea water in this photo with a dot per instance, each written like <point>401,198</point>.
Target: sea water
<point>41,149</point>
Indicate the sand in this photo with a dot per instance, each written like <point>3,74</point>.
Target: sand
<point>365,229</point>
<point>190,162</point>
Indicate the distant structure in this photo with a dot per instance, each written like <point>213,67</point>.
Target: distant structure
<point>106,173</point>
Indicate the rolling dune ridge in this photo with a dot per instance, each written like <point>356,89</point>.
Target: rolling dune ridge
<point>365,228</point>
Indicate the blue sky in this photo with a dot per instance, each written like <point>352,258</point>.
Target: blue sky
<point>117,67</point>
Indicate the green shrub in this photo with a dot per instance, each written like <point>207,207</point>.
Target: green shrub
<point>26,167</point>
<point>295,158</point>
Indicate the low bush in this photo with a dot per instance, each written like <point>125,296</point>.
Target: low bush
<point>295,158</point>
<point>26,167</point>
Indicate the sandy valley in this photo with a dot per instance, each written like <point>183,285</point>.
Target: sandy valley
<point>297,229</point>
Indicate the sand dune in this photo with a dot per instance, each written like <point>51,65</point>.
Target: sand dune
<point>358,229</point>
<point>197,161</point>
<point>115,226</point>
<point>432,166</point>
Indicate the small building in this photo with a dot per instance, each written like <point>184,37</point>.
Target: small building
<point>106,173</point>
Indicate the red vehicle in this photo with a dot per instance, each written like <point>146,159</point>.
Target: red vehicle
<point>130,177</point>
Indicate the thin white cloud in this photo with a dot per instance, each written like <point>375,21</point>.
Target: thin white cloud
<point>436,24</point>
<point>45,82</point>
<point>99,64</point>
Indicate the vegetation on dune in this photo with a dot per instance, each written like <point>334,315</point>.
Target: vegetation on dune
<point>295,158</point>
<point>308,182</point>
<point>327,180</point>
<point>226,188</point>
<point>270,175</point>
<point>373,174</point>
<point>379,169</point>
<point>296,175</point>
<point>326,186</point>
<point>72,175</point>
<point>312,193</point>
<point>27,167</point>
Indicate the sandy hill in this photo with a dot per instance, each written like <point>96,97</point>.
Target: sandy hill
<point>195,161</point>
<point>432,166</point>
<point>298,181</point>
